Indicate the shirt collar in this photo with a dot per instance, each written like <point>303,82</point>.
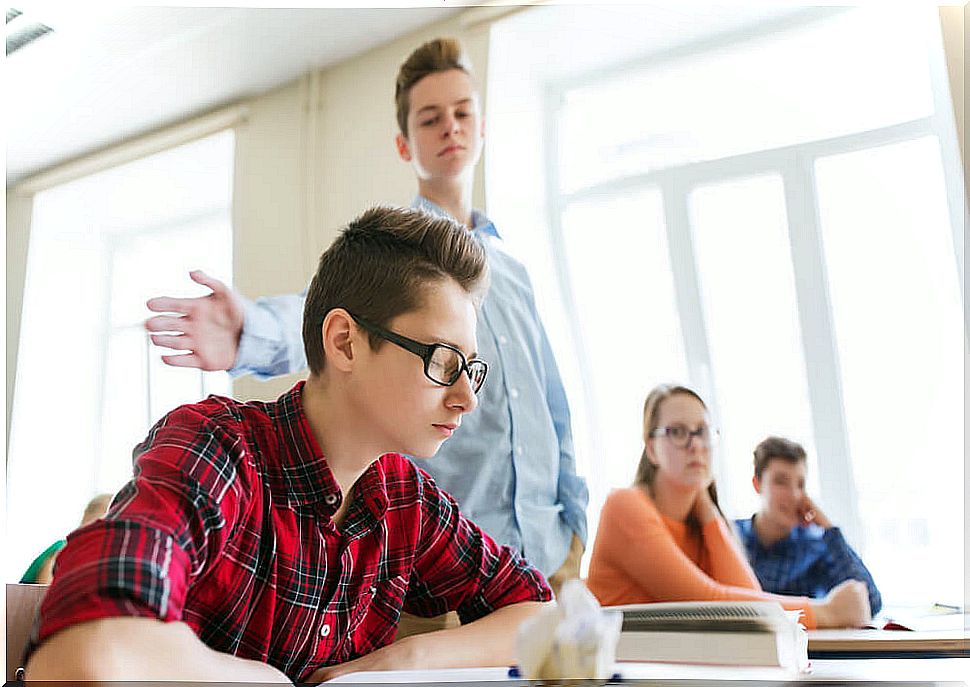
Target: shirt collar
<point>304,473</point>
<point>780,545</point>
<point>480,222</point>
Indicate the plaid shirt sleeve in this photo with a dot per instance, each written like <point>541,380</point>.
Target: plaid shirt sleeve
<point>458,567</point>
<point>164,527</point>
<point>841,563</point>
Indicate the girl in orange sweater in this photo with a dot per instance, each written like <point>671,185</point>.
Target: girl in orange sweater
<point>665,538</point>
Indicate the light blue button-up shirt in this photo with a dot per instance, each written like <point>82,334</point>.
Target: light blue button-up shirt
<point>511,464</point>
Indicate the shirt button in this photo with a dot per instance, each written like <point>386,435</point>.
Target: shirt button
<point>513,392</point>
<point>502,340</point>
<point>330,499</point>
<point>519,450</point>
<point>325,631</point>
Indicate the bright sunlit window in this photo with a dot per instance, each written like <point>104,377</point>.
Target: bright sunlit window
<point>768,207</point>
<point>896,303</point>
<point>99,248</point>
<point>744,265</point>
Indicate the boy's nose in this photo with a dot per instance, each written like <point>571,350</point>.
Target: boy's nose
<point>463,395</point>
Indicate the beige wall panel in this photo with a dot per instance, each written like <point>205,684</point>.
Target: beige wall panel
<point>359,165</point>
<point>19,210</point>
<point>269,213</point>
<point>953,20</point>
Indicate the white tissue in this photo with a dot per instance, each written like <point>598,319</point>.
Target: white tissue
<point>573,639</point>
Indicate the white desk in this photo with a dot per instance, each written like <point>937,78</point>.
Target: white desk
<point>896,671</point>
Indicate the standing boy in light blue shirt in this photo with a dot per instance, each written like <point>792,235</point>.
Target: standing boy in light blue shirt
<point>511,466</point>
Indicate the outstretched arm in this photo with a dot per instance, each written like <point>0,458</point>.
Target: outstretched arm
<point>139,649</point>
<point>116,605</point>
<point>489,641</point>
<point>224,331</point>
<point>208,327</point>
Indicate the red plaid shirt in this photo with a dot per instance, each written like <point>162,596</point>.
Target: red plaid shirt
<point>227,527</point>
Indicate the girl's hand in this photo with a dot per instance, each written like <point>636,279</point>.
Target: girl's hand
<point>704,508</point>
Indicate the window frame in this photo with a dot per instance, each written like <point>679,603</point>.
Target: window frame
<point>795,165</point>
<point>109,234</point>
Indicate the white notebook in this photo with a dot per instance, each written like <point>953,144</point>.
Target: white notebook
<point>746,633</point>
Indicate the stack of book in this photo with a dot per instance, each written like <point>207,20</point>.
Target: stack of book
<point>745,633</point>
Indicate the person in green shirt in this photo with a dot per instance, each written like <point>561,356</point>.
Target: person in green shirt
<point>41,569</point>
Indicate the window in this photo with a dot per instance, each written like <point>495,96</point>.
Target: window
<point>744,266</point>
<point>897,325</point>
<point>86,374</point>
<point>779,231</point>
<point>620,344</point>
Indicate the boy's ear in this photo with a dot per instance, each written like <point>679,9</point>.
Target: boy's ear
<point>339,331</point>
<point>756,483</point>
<point>403,149</point>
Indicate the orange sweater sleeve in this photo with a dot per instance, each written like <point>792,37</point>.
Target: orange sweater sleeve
<point>728,564</point>
<point>633,537</point>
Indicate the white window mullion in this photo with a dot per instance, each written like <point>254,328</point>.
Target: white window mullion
<point>555,207</point>
<point>687,289</point>
<point>109,246</point>
<point>823,371</point>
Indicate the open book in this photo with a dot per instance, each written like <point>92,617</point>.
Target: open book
<point>750,633</point>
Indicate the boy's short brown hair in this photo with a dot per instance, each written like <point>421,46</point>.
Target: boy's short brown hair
<point>438,55</point>
<point>379,265</point>
<point>776,447</point>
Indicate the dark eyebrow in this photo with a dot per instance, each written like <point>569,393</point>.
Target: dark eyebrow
<point>473,355</point>
<point>435,108</point>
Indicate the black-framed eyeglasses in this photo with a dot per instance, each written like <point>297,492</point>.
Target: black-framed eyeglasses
<point>443,364</point>
<point>681,437</point>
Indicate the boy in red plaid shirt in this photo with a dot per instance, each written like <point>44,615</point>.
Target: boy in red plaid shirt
<point>269,542</point>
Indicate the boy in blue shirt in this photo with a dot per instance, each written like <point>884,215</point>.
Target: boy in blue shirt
<point>511,466</point>
<point>792,545</point>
